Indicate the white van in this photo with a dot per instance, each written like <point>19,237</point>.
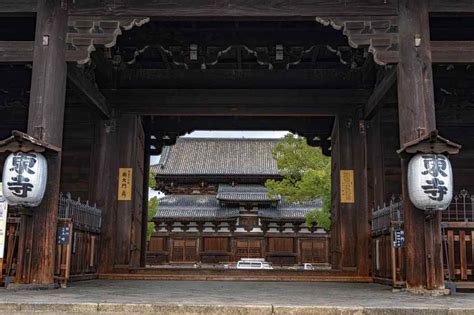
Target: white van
<point>253,264</point>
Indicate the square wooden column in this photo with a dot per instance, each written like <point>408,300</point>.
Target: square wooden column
<point>146,177</point>
<point>350,227</point>
<point>128,225</point>
<point>417,118</point>
<point>347,218</point>
<point>105,190</point>
<point>45,121</point>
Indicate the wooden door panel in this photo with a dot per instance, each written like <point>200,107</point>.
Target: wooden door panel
<point>248,248</point>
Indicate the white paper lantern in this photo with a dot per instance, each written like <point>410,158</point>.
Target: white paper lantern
<point>24,178</point>
<point>430,181</point>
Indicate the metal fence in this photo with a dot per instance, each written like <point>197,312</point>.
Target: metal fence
<point>83,215</point>
<point>461,208</point>
<point>387,215</point>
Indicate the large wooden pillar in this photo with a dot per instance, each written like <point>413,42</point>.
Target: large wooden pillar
<point>350,227</point>
<point>359,133</point>
<point>424,268</point>
<point>146,177</point>
<point>105,190</point>
<point>344,211</point>
<point>128,224</point>
<point>45,121</point>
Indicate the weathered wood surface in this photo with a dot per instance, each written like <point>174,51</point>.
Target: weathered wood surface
<point>442,52</point>
<point>89,91</point>
<point>146,178</point>
<point>344,215</point>
<point>380,92</point>
<point>13,51</point>
<point>45,121</point>
<point>245,102</point>
<point>78,168</point>
<point>417,118</point>
<point>105,192</point>
<point>20,6</point>
<point>128,222</point>
<point>361,166</point>
<point>233,7</point>
<point>241,8</point>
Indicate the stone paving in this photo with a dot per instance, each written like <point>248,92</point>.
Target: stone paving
<point>219,297</point>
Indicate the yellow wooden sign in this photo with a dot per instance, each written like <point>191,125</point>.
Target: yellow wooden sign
<point>347,186</point>
<point>125,184</point>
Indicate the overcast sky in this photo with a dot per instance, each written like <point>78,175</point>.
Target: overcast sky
<point>222,134</point>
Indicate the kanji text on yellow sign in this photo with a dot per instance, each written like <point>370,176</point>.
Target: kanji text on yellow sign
<point>125,184</point>
<point>347,186</point>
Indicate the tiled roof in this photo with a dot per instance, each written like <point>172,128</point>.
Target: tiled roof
<point>287,210</point>
<point>207,156</point>
<point>193,206</point>
<point>244,193</point>
<point>199,207</point>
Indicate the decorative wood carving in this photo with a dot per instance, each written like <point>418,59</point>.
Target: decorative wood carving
<point>202,56</point>
<point>86,32</point>
<point>378,34</point>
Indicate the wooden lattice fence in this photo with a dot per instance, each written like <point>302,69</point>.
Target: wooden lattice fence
<point>388,260</point>
<point>78,237</point>
<point>458,235</point>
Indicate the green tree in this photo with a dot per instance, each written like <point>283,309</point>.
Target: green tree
<point>152,180</point>
<point>152,206</point>
<point>306,176</point>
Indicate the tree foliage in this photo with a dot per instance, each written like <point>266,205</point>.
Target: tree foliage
<point>306,176</point>
<point>152,206</point>
<point>152,180</point>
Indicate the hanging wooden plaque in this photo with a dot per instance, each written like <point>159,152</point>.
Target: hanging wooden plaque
<point>347,186</point>
<point>125,184</point>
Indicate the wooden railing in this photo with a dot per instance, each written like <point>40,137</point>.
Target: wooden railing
<point>83,215</point>
<point>458,236</point>
<point>458,240</point>
<point>388,261</point>
<point>79,226</point>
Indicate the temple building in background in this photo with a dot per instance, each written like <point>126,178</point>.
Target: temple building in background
<point>217,208</point>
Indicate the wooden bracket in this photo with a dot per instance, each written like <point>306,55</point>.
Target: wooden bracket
<point>378,34</point>
<point>22,142</point>
<point>87,32</point>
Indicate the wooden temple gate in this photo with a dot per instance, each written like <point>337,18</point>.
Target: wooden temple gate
<point>111,126</point>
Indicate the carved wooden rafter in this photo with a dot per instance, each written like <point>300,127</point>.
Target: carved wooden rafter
<point>86,32</point>
<point>378,34</point>
<point>207,57</point>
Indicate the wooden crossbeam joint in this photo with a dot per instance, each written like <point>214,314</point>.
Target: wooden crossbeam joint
<point>89,91</point>
<point>379,93</point>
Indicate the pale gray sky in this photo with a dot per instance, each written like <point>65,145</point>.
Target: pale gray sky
<point>221,134</point>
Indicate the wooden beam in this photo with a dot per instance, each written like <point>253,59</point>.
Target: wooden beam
<point>12,51</point>
<point>442,52</point>
<point>231,102</point>
<point>379,93</point>
<point>238,8</point>
<point>22,52</point>
<point>89,91</point>
<point>22,6</point>
<point>452,51</point>
<point>299,125</point>
<point>444,6</point>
